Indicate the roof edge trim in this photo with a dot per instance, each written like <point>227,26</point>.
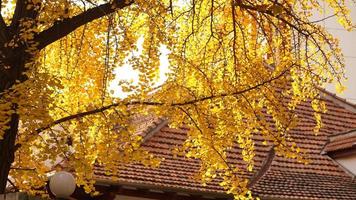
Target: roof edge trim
<point>155,129</point>
<point>338,100</point>
<point>163,188</point>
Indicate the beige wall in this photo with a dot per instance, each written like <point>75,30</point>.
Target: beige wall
<point>348,162</point>
<point>348,45</point>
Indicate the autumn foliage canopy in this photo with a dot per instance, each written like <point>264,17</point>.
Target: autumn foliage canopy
<point>237,68</point>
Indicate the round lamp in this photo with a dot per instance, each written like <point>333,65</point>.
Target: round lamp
<point>62,184</point>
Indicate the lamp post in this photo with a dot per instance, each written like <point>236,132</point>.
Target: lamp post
<point>62,185</point>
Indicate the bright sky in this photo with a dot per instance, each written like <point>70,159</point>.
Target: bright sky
<point>127,73</point>
<point>347,42</point>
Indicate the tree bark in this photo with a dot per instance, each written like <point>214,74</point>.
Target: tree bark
<point>12,64</point>
<point>7,150</point>
<point>8,77</point>
<point>64,27</point>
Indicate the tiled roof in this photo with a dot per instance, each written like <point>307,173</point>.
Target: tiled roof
<point>322,178</point>
<point>335,98</point>
<point>341,141</point>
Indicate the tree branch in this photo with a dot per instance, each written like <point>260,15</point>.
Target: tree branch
<point>3,31</point>
<point>66,26</point>
<point>91,112</point>
<point>18,13</point>
<point>264,168</point>
<point>13,184</point>
<point>270,13</point>
<point>190,102</point>
<point>233,93</point>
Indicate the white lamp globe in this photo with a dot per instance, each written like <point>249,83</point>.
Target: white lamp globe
<point>62,184</point>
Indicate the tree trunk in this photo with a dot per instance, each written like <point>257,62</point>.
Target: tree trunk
<point>16,59</point>
<point>7,144</point>
<point>7,150</point>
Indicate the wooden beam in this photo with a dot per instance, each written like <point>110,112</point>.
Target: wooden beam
<point>164,195</point>
<point>343,152</point>
<point>170,196</point>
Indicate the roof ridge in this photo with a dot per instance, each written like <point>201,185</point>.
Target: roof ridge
<point>339,100</point>
<point>151,130</point>
<point>341,134</point>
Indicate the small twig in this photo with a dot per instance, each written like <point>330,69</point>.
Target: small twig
<point>24,169</point>
<point>13,185</point>
<point>325,18</point>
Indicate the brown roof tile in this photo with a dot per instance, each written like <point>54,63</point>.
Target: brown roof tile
<point>287,178</point>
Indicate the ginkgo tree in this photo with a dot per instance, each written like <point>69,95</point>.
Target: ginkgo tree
<point>237,68</point>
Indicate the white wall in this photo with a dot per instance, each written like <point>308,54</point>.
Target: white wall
<point>349,162</point>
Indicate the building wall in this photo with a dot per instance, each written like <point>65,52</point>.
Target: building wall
<point>348,162</point>
<point>347,44</point>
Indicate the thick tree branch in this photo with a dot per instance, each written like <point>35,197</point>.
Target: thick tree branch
<point>264,168</point>
<point>190,102</point>
<point>3,31</point>
<point>66,26</point>
<point>20,9</point>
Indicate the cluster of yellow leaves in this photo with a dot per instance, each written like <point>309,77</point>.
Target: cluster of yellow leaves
<point>239,69</point>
